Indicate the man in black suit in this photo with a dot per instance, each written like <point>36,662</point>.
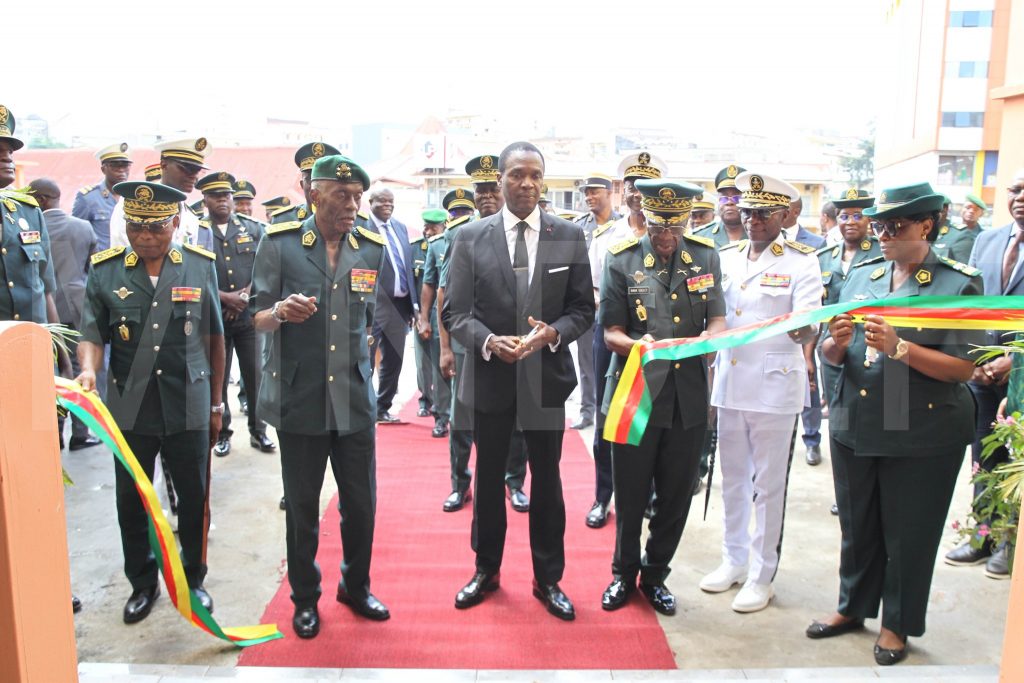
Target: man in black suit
<point>519,292</point>
<point>399,302</point>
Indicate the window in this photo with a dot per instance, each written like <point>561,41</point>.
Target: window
<point>956,170</point>
<point>966,69</point>
<point>963,119</point>
<point>972,19</point>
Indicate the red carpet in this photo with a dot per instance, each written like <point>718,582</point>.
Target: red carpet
<point>421,558</point>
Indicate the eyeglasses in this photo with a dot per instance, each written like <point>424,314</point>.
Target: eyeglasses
<point>890,228</point>
<point>848,217</point>
<point>153,228</point>
<point>190,169</point>
<point>676,230</point>
<point>729,199</point>
<point>760,214</point>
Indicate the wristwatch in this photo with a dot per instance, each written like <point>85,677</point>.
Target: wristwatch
<point>902,349</point>
<point>274,314</point>
<point>217,409</point>
<point>244,296</point>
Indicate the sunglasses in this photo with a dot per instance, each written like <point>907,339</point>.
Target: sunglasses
<point>890,228</point>
<point>729,199</point>
<point>153,228</point>
<point>760,214</point>
<point>847,217</point>
<point>676,230</point>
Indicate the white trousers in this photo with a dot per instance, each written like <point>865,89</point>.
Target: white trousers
<point>755,450</point>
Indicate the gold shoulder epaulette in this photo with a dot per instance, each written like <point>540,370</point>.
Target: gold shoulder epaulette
<point>436,237</point>
<point>959,266</point>
<point>706,241</point>
<point>370,235</point>
<point>106,255</point>
<point>362,214</point>
<point>828,247</point>
<point>623,245</point>
<point>202,252</point>
<point>283,227</point>
<point>205,222</point>
<point>738,244</point>
<point>22,197</point>
<point>959,226</point>
<point>455,222</point>
<point>801,247</point>
<point>869,261</point>
<point>249,218</point>
<point>283,209</point>
<point>86,190</point>
<point>603,229</point>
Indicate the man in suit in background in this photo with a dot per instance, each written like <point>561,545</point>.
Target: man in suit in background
<point>998,254</point>
<point>398,300</point>
<point>72,241</point>
<point>519,292</point>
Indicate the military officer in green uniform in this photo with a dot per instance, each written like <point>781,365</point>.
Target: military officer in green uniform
<point>458,203</point>
<point>244,195</point>
<point>953,240</point>
<point>273,204</point>
<point>155,302</point>
<point>664,285</point>
<point>235,238</point>
<point>433,402</point>
<point>972,211</point>
<point>25,263</point>
<point>901,418</point>
<point>728,227</point>
<point>703,214</point>
<point>305,157</point>
<point>313,293</point>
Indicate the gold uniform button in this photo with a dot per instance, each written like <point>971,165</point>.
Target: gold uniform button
<point>362,298</point>
<point>703,297</point>
<point>674,296</point>
<point>227,258</point>
<point>863,392</point>
<point>930,406</point>
<point>159,372</point>
<point>123,319</point>
<point>224,243</point>
<point>334,316</point>
<point>743,286</point>
<point>154,304</point>
<point>638,301</point>
<point>332,347</point>
<point>17,317</point>
<point>331,378</point>
<point>334,286</point>
<point>232,286</point>
<point>231,272</point>
<point>10,284</point>
<point>4,251</point>
<point>678,365</point>
<point>156,326</point>
<point>733,361</point>
<point>156,348</point>
<point>739,311</point>
<point>273,374</point>
<point>675,319</point>
<point>867,364</point>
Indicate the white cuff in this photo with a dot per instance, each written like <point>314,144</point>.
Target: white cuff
<point>485,352</point>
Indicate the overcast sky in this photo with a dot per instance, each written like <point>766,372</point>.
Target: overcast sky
<point>760,66</point>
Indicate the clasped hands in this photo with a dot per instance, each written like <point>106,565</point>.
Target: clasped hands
<point>878,334</point>
<point>512,349</point>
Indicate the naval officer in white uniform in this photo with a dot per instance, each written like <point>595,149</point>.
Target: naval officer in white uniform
<point>760,388</point>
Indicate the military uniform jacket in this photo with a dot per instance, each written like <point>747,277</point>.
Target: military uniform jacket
<point>830,260</point>
<point>767,376</point>
<point>588,222</point>
<point>715,232</point>
<point>316,374</point>
<point>668,301</point>
<point>235,250</point>
<point>95,203</point>
<point>955,242</point>
<point>419,261</point>
<point>885,407</point>
<point>25,264</point>
<point>296,212</point>
<point>159,378</point>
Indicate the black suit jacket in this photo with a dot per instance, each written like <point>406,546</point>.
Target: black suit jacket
<point>481,299</point>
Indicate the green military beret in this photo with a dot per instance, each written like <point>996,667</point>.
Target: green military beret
<point>854,199</point>
<point>667,202</point>
<point>307,155</point>
<point>457,198</point>
<point>977,201</point>
<point>218,181</point>
<point>906,200</point>
<point>7,128</point>
<point>244,190</point>
<point>146,202</point>
<point>340,168</point>
<point>435,216</point>
<point>727,176</point>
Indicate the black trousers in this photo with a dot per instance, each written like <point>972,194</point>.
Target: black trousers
<point>390,331</point>
<point>602,449</point>
<point>304,460</point>
<point>240,338</point>
<point>671,457</point>
<point>186,457</point>
<point>987,397</point>
<point>891,512</point>
<point>492,434</point>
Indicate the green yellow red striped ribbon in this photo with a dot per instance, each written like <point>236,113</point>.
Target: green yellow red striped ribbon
<point>630,406</point>
<point>89,409</point>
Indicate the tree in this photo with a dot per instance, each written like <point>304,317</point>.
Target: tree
<point>861,166</point>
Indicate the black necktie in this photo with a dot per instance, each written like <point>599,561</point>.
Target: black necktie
<point>521,265</point>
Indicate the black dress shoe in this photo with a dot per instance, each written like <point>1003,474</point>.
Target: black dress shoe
<point>813,455</point>
<point>222,447</point>
<point>520,503</point>
<point>262,442</point>
<point>967,555</point>
<point>819,630</point>
<point>554,599</point>
<point>388,419</point>
<point>616,594</point>
<point>140,603</point>
<point>368,606</point>
<point>204,598</point>
<point>306,622</point>
<point>473,592</point>
<point>887,657</point>
<point>283,504</point>
<point>243,406</point>
<point>583,422</point>
<point>457,500</point>
<point>834,509</point>
<point>661,598</point>
<point>440,429</point>
<point>998,566</point>
<point>422,412</point>
<point>76,604</point>
<point>598,515</point>
<point>77,443</point>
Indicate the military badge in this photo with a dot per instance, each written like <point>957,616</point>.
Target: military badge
<point>131,259</point>
<point>318,149</point>
<point>353,242</point>
<point>776,280</point>
<point>309,238</point>
<point>486,162</point>
<point>301,213</point>
<point>175,256</point>
<point>23,224</point>
<point>944,229</point>
<point>423,246</point>
<point>188,328</point>
<point>244,238</point>
<point>639,276</point>
<point>852,193</point>
<point>363,280</point>
<point>865,245</point>
<point>29,236</point>
<point>649,261</point>
<point>700,283</point>
<point>685,256</point>
<point>695,269</point>
<point>122,330</point>
<point>123,293</point>
<point>143,194</point>
<point>644,158</point>
<point>756,183</point>
<point>878,272</point>
<point>460,193</point>
<point>732,171</point>
<point>343,171</point>
<point>835,252</point>
<point>923,277</point>
<point>186,294</point>
<point>10,204</point>
<point>777,249</point>
<point>641,313</point>
<point>200,144</point>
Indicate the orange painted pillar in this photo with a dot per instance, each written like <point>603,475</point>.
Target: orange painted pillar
<point>37,634</point>
<point>1011,670</point>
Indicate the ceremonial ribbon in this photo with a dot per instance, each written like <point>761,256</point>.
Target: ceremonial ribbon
<point>630,407</point>
<point>87,407</point>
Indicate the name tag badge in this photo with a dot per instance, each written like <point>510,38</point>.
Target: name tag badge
<point>700,283</point>
<point>244,238</point>
<point>363,280</point>
<point>30,237</point>
<point>187,294</point>
<point>639,290</point>
<point>776,280</point>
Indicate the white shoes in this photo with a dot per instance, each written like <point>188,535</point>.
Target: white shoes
<point>753,597</point>
<point>722,579</point>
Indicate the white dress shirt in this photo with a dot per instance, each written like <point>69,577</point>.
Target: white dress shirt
<point>599,244</point>
<point>384,227</point>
